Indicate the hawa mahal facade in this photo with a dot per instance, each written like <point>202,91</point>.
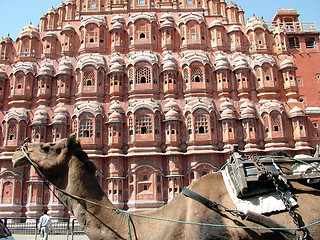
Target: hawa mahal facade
<point>157,91</point>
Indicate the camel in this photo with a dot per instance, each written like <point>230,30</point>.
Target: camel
<point>68,168</point>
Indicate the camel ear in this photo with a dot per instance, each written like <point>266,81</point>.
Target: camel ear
<point>72,141</point>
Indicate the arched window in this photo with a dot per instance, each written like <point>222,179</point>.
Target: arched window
<point>197,75</point>
<point>265,122</point>
<point>98,129</point>
<point>294,43</point>
<point>100,78</point>
<point>12,132</point>
<point>186,75</point>
<point>89,78</point>
<point>144,124</point>
<point>92,4</point>
<point>201,124</point>
<point>131,74</point>
<point>130,126</point>
<point>189,124</point>
<point>276,123</point>
<point>193,33</point>
<point>143,32</point>
<point>75,125</point>
<point>155,75</point>
<point>143,75</point>
<point>156,125</point>
<point>86,128</point>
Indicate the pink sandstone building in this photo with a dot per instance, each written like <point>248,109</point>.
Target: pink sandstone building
<point>157,91</point>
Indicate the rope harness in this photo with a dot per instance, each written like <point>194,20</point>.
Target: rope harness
<point>271,225</point>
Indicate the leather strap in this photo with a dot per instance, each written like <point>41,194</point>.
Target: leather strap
<point>195,196</point>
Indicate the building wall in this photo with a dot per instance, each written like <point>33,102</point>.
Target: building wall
<point>158,97</point>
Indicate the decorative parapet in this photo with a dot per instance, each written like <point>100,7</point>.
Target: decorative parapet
<point>293,27</point>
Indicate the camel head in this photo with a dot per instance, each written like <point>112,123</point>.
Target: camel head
<point>52,159</point>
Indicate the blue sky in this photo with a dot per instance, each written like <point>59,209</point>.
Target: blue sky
<point>15,14</point>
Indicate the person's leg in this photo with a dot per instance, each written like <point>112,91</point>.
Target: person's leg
<point>46,233</point>
<point>42,230</point>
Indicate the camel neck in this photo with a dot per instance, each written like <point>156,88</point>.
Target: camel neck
<point>83,184</point>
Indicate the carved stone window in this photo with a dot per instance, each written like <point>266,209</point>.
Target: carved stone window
<point>186,75</point>
<point>201,124</point>
<point>197,75</point>
<point>91,36</point>
<point>130,126</point>
<point>89,78</point>
<point>143,32</point>
<point>86,128</point>
<point>143,75</point>
<point>294,43</point>
<point>144,124</point>
<point>193,33</point>
<point>265,120</point>
<point>131,74</point>
<point>189,125</point>
<point>98,129</point>
<point>12,132</point>
<point>156,125</point>
<point>92,4</point>
<point>276,123</point>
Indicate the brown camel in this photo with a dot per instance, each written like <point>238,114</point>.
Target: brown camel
<point>67,166</point>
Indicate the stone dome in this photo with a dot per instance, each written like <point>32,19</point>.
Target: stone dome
<point>115,117</point>
<point>222,62</point>
<point>53,10</point>
<point>117,25</point>
<point>50,35</point>
<point>60,109</point>
<point>117,59</point>
<point>167,16</point>
<point>65,67</point>
<point>46,69</point>
<point>166,23</point>
<point>216,23</point>
<point>169,66</point>
<point>3,74</point>
<point>297,112</point>
<point>40,116</point>
<point>116,67</point>
<point>287,63</point>
<point>59,118</point>
<point>171,105</point>
<point>172,115</point>
<point>169,57</point>
<point>70,2</point>
<point>248,112</point>
<point>6,40</point>
<point>227,114</point>
<point>30,31</point>
<point>234,28</point>
<point>117,18</point>
<point>255,23</point>
<point>245,105</point>
<point>240,63</point>
<point>60,115</point>
<point>68,28</point>
<point>226,105</point>
<point>62,5</point>
<point>116,107</point>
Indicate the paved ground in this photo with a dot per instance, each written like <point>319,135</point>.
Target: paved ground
<point>51,237</point>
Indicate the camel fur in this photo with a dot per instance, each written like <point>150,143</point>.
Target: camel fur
<point>68,167</point>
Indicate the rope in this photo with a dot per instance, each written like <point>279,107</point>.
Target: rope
<point>213,225</point>
<point>128,214</point>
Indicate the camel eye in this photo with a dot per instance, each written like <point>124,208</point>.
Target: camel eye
<point>46,149</point>
<point>58,150</point>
